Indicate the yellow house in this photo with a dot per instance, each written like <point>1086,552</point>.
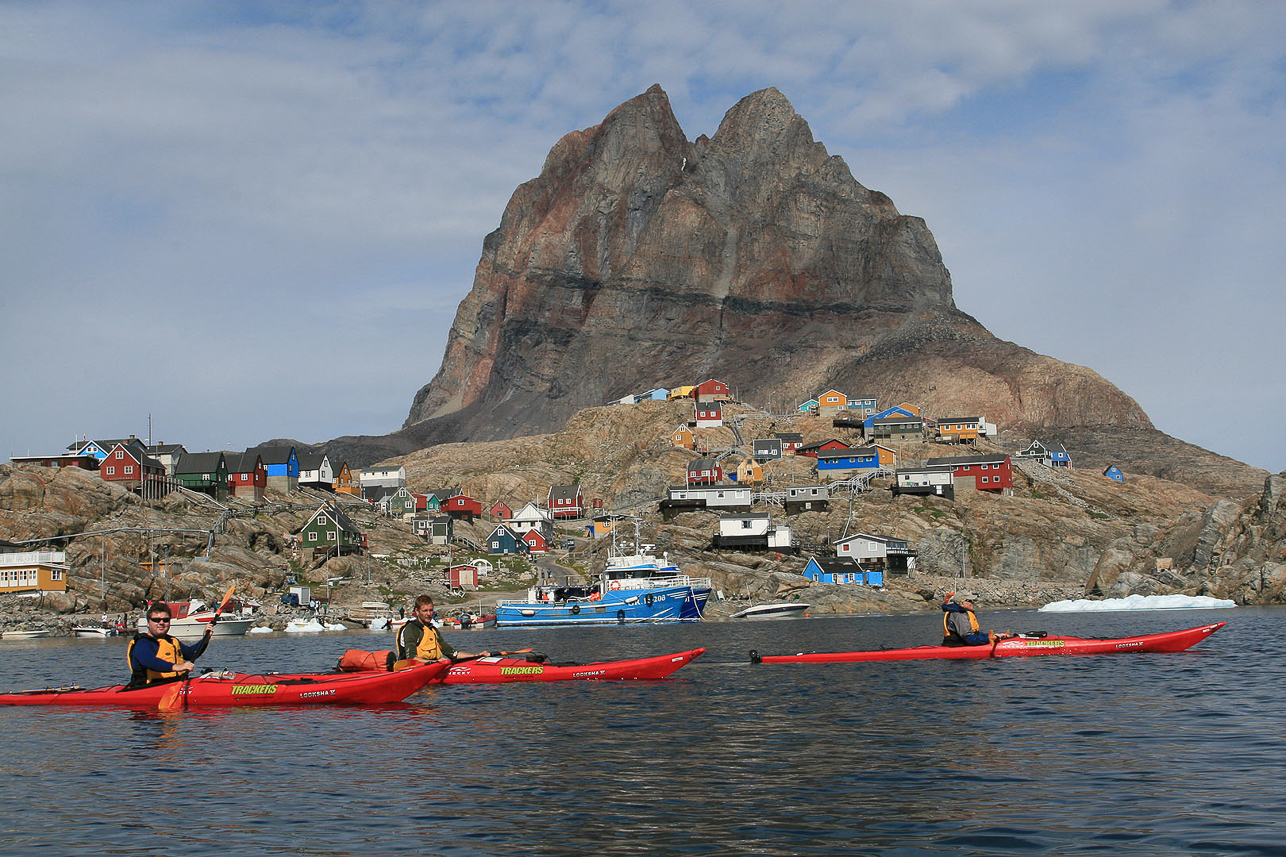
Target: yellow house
<point>33,572</point>
<point>681,393</point>
<point>684,438</point>
<point>888,457</point>
<point>749,472</point>
<point>914,409</point>
<point>831,402</point>
<point>959,429</point>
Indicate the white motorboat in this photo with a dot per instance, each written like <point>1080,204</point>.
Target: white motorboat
<point>190,619</point>
<point>99,631</point>
<point>21,634</point>
<point>792,610</point>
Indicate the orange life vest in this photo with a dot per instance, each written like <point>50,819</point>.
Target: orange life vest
<point>167,649</point>
<point>429,648</point>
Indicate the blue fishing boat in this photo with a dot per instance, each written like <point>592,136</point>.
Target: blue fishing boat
<point>635,587</point>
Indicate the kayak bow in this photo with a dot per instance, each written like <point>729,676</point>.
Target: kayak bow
<point>1022,646</point>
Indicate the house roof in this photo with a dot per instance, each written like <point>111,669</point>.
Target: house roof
<point>165,448</point>
<point>200,462</point>
<point>564,492</point>
<point>888,421</point>
<point>834,564</point>
<point>701,464</point>
<point>818,444</point>
<point>345,523</point>
<point>274,454</point>
<point>792,436</point>
<point>311,460</point>
<point>967,459</point>
<point>942,420</point>
<point>241,462</point>
<point>1056,448</point>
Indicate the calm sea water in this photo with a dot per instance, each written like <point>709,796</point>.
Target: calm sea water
<point>1132,754</point>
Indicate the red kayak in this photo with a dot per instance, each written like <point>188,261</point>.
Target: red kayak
<point>496,670</point>
<point>226,688</point>
<point>1021,646</point>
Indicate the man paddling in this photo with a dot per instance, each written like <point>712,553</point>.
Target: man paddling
<point>960,623</point>
<point>418,638</point>
<point>155,656</point>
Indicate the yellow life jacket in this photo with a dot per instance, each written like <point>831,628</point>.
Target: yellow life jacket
<point>974,627</point>
<point>429,648</point>
<point>167,649</point>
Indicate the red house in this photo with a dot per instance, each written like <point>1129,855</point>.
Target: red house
<point>460,576</point>
<point>565,501</point>
<point>501,512</point>
<point>704,471</point>
<point>711,391</point>
<point>135,470</point>
<point>989,472</point>
<point>709,415</point>
<point>463,506</point>
<point>536,541</point>
<point>247,475</point>
<point>829,445</point>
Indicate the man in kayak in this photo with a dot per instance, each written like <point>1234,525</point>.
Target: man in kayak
<point>155,656</point>
<point>418,638</point>
<point>960,624</point>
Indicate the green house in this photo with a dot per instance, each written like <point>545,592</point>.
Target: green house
<point>329,529</point>
<point>399,503</point>
<point>206,472</point>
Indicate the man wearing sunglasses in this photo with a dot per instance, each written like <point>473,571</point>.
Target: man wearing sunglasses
<point>155,656</point>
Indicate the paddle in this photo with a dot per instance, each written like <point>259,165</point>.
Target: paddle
<point>176,697</point>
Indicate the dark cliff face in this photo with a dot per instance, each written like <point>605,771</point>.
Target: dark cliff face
<point>638,259</point>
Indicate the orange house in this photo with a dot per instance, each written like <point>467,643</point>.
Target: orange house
<point>683,438</point>
<point>959,429</point>
<point>344,483</point>
<point>33,571</point>
<point>888,457</point>
<point>831,403</point>
<point>749,472</point>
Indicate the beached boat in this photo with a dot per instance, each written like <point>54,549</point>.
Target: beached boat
<point>99,631</point>
<point>21,634</point>
<point>635,587</point>
<point>1021,646</point>
<point>238,689</point>
<point>772,611</point>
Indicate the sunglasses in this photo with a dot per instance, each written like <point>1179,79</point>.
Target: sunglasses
<point>160,620</point>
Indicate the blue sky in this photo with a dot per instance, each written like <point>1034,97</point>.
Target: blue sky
<point>255,221</point>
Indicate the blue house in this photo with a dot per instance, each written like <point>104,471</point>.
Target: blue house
<point>658,394</point>
<point>846,462</point>
<point>1114,473</point>
<point>283,466</point>
<point>895,411</point>
<point>833,569</point>
<point>505,541</point>
<point>809,407</point>
<point>1056,456</point>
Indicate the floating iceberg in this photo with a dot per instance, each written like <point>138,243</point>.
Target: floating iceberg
<point>304,626</point>
<point>262,629</point>
<point>1138,602</point>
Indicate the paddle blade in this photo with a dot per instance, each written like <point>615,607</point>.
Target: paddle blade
<point>172,699</point>
<point>227,596</point>
<point>398,666</point>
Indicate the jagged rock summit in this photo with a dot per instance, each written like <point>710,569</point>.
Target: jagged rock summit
<point>640,259</point>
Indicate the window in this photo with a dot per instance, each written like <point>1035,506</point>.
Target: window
<point>330,536</point>
<point>120,453</point>
<point>111,471</point>
<point>312,536</point>
<point>129,468</point>
<point>986,479</point>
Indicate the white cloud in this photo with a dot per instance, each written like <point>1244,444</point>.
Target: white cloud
<point>1116,165</point>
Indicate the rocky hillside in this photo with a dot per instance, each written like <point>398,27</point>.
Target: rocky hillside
<point>1061,534</point>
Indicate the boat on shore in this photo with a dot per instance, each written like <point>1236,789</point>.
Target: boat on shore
<point>25,634</point>
<point>100,631</point>
<point>1024,645</point>
<point>240,689</point>
<point>772,611</point>
<point>635,587</point>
